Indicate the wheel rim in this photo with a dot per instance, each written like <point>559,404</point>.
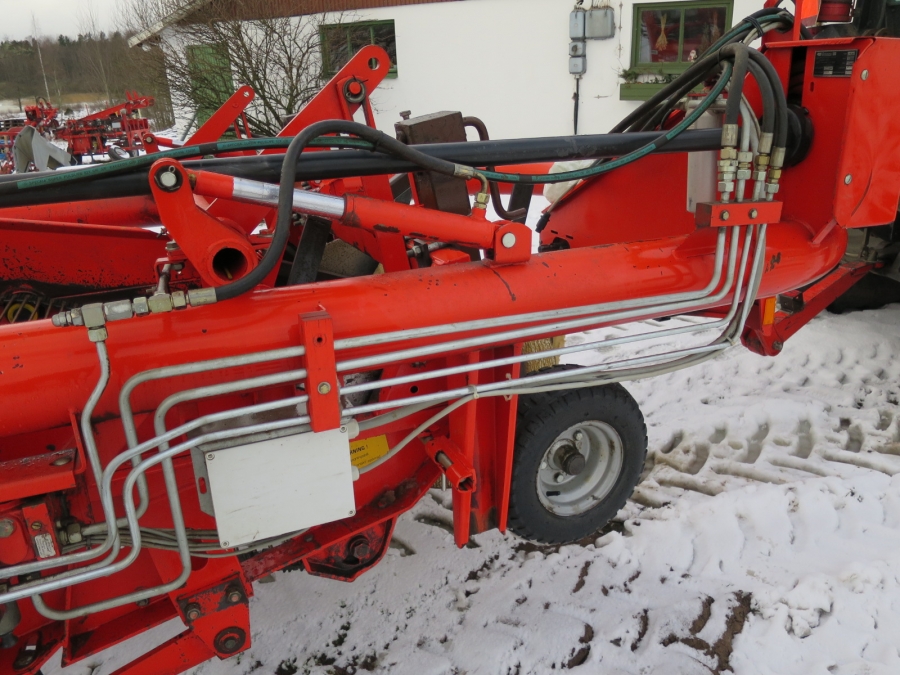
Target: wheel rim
<point>570,495</point>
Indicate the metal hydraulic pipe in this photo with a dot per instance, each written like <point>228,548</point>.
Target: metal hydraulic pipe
<point>346,163</point>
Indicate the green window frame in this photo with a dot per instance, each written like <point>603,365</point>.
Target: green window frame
<point>341,41</point>
<point>671,10</point>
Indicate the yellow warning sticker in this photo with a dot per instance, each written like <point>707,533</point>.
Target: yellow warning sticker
<point>367,450</point>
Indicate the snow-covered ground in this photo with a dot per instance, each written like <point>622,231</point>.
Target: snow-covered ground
<point>763,539</point>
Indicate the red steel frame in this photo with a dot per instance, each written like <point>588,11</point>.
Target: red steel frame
<point>644,247</point>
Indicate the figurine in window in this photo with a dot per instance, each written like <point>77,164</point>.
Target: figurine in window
<point>692,56</point>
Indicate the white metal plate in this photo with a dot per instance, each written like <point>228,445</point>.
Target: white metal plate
<point>279,486</point>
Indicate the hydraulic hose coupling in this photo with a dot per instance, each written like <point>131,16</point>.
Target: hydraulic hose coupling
<point>728,162</point>
<point>774,176</point>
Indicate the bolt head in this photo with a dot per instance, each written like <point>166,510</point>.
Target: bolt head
<point>192,612</point>
<point>579,435</point>
<point>323,388</point>
<point>560,477</point>
<point>864,75</point>
<point>848,179</point>
<point>142,603</point>
<point>168,179</point>
<point>61,461</point>
<point>778,345</point>
<point>210,456</point>
<point>235,596</point>
<point>724,215</point>
<point>753,213</point>
<point>508,240</point>
<point>36,526</point>
<point>246,94</point>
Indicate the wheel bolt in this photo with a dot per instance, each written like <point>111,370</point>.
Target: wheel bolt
<point>560,477</point>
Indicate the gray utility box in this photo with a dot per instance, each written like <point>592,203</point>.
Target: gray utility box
<point>600,23</point>
<point>576,24</point>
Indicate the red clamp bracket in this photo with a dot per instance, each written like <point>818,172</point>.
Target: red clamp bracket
<point>719,214</point>
<point>317,336</point>
<point>456,467</point>
<point>218,252</point>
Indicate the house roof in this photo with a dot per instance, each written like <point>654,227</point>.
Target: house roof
<point>278,7</point>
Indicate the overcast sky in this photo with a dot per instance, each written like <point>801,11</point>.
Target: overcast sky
<point>53,17</point>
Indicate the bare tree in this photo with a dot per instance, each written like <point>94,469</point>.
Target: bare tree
<point>216,46</point>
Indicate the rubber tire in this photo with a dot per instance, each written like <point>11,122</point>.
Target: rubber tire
<point>541,418</point>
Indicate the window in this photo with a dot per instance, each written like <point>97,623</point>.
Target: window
<point>341,42</point>
<point>667,37</point>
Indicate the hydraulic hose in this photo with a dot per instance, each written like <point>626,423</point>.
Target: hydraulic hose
<point>741,63</point>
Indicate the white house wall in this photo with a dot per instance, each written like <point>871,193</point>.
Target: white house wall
<point>506,61</point>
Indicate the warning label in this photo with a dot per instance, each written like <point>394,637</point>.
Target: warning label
<point>365,451</point>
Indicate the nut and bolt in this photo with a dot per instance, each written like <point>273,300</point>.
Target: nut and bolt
<point>864,74</point>
<point>7,527</point>
<point>753,213</point>
<point>359,548</point>
<point>404,114</point>
<point>848,179</point>
<point>234,595</point>
<point>778,345</point>
<point>62,461</point>
<point>168,179</point>
<point>323,388</point>
<point>560,477</point>
<point>508,240</point>
<point>724,215</point>
<point>142,603</point>
<point>36,526</point>
<point>210,456</point>
<point>192,612</point>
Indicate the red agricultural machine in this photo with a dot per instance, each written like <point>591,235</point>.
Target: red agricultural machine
<point>41,116</point>
<point>241,356</point>
<point>121,125</point>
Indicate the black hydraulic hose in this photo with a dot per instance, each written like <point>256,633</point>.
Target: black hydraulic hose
<point>735,91</point>
<point>289,178</point>
<point>768,97</point>
<point>781,111</point>
<point>638,118</point>
<point>283,224</point>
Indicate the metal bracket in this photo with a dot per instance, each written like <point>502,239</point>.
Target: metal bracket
<point>720,214</point>
<point>317,337</point>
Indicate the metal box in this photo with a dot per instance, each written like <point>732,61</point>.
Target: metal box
<point>282,485</point>
<point>576,24</point>
<point>577,65</point>
<point>600,23</point>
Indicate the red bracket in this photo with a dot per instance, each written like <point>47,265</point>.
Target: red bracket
<point>218,252</point>
<point>718,214</point>
<point>767,330</point>
<point>317,336</point>
<point>224,118</point>
<point>456,467</point>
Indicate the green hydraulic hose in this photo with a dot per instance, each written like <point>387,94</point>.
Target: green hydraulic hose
<point>662,139</point>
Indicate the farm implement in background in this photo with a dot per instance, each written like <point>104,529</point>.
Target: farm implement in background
<point>239,356</point>
<point>118,129</point>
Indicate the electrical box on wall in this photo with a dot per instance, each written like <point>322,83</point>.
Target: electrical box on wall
<point>576,49</point>
<point>576,24</point>
<point>577,65</point>
<point>600,23</point>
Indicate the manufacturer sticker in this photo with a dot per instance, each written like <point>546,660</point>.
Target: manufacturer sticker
<point>837,63</point>
<point>44,545</point>
<point>367,450</point>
